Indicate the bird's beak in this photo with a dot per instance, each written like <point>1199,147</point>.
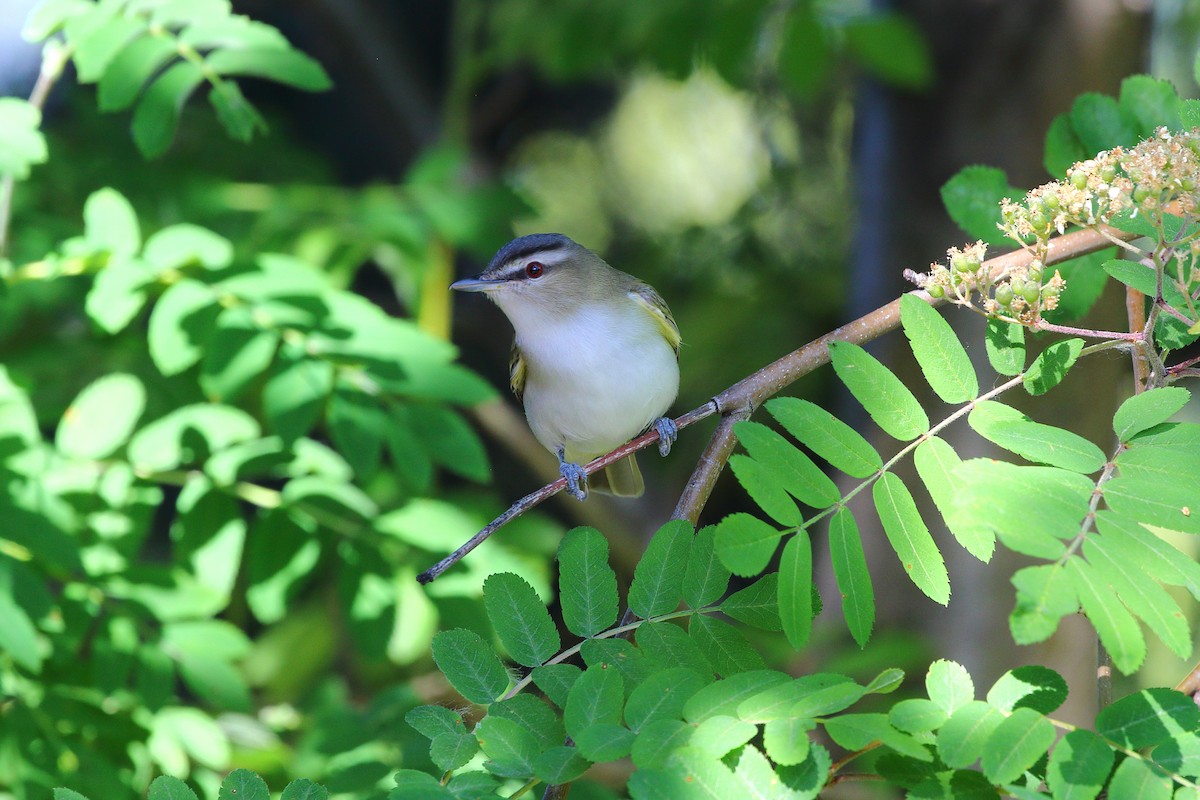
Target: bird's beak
<point>476,285</point>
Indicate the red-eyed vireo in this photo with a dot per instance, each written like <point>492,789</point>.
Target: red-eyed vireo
<point>595,358</point>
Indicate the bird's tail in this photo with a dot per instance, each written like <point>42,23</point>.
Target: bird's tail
<point>621,479</point>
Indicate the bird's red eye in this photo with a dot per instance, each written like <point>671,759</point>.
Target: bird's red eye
<point>534,269</point>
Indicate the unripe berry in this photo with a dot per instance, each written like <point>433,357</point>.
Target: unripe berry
<point>1004,294</point>
<point>936,291</point>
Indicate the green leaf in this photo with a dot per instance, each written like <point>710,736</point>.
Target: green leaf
<point>825,694</point>
<point>795,589</point>
<point>535,715</point>
<point>786,740</point>
<point>69,794</point>
<point>179,324</point>
<point>595,698</point>
<point>1032,509</point>
<point>286,66</point>
<point>1100,123</point>
<point>216,682</point>
<point>414,785</point>
<point>1085,280</point>
<point>943,360</point>
<point>1045,594</point>
<point>118,293</point>
<point>433,721</point>
<point>853,577</point>
<point>657,585</point>
<point>1051,365</point>
<point>186,435</point>
<point>556,681</point>
<point>706,578</point>
<point>560,765</point>
<point>972,198</point>
<point>826,435</point>
<point>1138,544</point>
<point>657,743</point>
<point>1171,333</point>
<point>856,731</point>
<point>1015,744</point>
<point>889,402</point>
<point>890,46</point>
<point>1079,766</point>
<point>110,223</point>
<point>1035,687</point>
<point>793,470</point>
<point>1117,629</point>
<point>236,353</point>
<point>1143,411</point>
<point>137,62</point>
<point>937,464</point>
<point>449,441</point>
<point>755,774</point>
<point>1147,718</point>
<point>1167,505</point>
<point>511,748</point>
<point>1005,342</point>
<point>1145,598</point>
<point>520,619</point>
<point>470,665</point>
<point>178,246</point>
<point>18,636</point>
<point>357,423</point>
<point>886,682</point>
<point>304,789</point>
<point>662,696</point>
<point>910,538</point>
<point>157,114</point>
<point>587,585</point>
<point>1045,444</point>
<point>295,394</point>
<point>168,787</point>
<point>726,695</point>
<point>451,751</point>
<point>718,735</point>
<point>1137,778</point>
<point>21,142</point>
<point>757,605</point>
<point>1063,147</point>
<point>961,741</point>
<point>242,784</point>
<point>745,543</point>
<point>669,645</point>
<point>238,117</point>
<point>766,489</point>
<point>917,715</point>
<point>724,646</point>
<point>97,39</point>
<point>48,17</point>
<point>949,685</point>
<point>1189,113</point>
<point>101,418</point>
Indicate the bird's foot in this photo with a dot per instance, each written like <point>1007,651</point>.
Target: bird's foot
<point>577,482</point>
<point>668,432</point>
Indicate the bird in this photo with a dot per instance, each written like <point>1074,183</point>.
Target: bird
<point>595,355</point>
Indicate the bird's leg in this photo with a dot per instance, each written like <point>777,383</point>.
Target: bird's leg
<point>668,432</point>
<point>577,483</point>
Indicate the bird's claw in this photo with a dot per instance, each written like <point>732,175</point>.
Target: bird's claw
<point>577,482</point>
<point>668,432</point>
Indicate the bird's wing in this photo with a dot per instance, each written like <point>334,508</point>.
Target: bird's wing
<point>516,372</point>
<point>644,295</point>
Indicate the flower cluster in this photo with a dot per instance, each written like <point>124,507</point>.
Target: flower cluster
<point>1019,294</point>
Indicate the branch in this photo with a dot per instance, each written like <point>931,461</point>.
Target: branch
<point>741,399</point>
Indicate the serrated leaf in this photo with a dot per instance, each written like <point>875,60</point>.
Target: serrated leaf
<point>520,619</point>
<point>1032,686</point>
<point>764,487</point>
<point>511,748</point>
<point>1147,718</point>
<point>1005,343</point>
<point>101,418</point>
<point>304,789</point>
<point>1045,594</point>
<point>937,464</point>
<point>943,360</point>
<point>595,698</point>
<point>795,589</point>
<point>242,784</point>
<point>786,740</point>
<point>560,765</point>
<point>886,399</point>
<point>853,576</point>
<point>669,645</point>
<point>556,681</point>
<point>917,715</point>
<point>972,198</point>
<point>657,742</point>
<point>1044,444</point>
<point>1141,594</point>
<point>1117,629</point>
<point>1063,147</point>
<point>1051,366</point>
<point>724,646</point>
<point>22,144</point>
<point>856,731</point>
<point>718,735</point>
<point>433,721</point>
<point>745,543</point>
<point>793,470</point>
<point>757,605</point>
<point>1079,766</point>
<point>1140,544</point>
<point>706,578</point>
<point>587,585</point>
<point>1152,407</point>
<point>657,585</point>
<point>1015,744</point>
<point>961,741</point>
<point>949,685</point>
<point>661,696</point>
<point>1170,505</point>
<point>157,114</point>
<point>727,694</point>
<point>470,665</point>
<point>168,787</point>
<point>826,435</point>
<point>1170,332</point>
<point>1137,778</point>
<point>910,538</point>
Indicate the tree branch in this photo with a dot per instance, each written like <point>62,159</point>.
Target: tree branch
<point>741,399</point>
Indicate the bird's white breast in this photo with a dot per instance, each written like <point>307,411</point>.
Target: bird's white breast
<point>595,378</point>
